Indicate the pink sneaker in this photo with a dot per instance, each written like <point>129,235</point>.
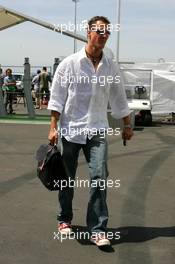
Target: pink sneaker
<point>65,228</point>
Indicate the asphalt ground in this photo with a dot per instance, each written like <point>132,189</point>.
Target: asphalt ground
<point>142,209</point>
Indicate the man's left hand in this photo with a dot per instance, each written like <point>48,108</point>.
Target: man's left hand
<point>127,133</point>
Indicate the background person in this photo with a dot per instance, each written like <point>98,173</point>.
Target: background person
<point>36,86</point>
<point>44,80</point>
<point>9,88</point>
<point>1,79</point>
<point>83,105</point>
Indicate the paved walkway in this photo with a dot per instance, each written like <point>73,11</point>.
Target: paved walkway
<point>142,209</point>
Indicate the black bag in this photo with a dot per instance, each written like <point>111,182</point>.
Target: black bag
<point>51,170</point>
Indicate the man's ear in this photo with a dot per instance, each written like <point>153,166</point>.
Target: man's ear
<point>88,35</point>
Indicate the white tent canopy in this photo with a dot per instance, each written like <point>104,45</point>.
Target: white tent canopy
<point>9,18</point>
<point>163,92</point>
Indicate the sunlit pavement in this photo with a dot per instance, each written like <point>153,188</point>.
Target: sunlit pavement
<point>142,209</point>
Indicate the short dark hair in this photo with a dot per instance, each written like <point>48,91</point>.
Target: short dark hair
<point>94,19</point>
<point>44,68</point>
<point>10,70</point>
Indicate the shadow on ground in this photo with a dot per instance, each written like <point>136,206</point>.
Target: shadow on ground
<point>12,184</point>
<point>128,234</point>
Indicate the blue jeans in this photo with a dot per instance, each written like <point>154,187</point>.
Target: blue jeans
<point>95,151</point>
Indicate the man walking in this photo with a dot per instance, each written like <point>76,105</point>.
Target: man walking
<point>79,101</point>
<point>44,80</point>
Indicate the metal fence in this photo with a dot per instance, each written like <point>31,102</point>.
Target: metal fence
<point>24,94</point>
<point>20,69</point>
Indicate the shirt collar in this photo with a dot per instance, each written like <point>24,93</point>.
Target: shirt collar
<point>82,55</point>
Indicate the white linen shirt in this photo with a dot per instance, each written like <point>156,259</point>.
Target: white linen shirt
<point>81,95</point>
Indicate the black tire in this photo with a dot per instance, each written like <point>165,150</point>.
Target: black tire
<point>147,118</point>
<point>144,118</point>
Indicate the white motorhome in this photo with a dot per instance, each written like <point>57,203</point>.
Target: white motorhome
<point>150,89</point>
<point>138,84</point>
<point>19,80</point>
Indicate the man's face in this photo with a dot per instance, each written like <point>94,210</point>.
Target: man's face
<point>98,34</point>
<point>9,72</point>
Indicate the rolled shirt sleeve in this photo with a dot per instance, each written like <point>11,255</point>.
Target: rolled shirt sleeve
<point>59,88</point>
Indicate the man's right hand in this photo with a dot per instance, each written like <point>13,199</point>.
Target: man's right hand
<point>53,133</point>
<point>53,136</point>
